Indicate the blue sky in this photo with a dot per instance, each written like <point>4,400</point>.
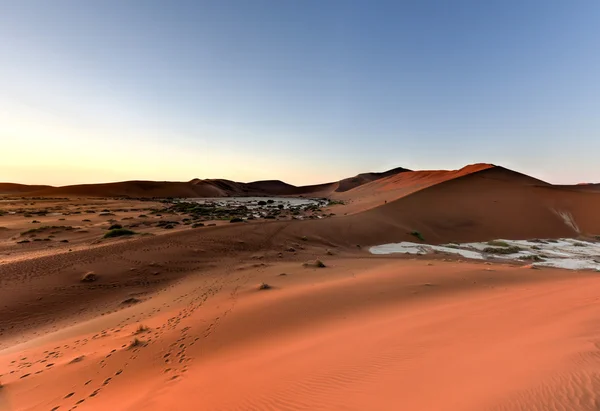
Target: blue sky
<point>304,91</point>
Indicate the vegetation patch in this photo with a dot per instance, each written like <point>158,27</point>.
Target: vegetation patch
<point>47,227</point>
<point>418,235</point>
<point>502,250</point>
<point>316,263</point>
<point>136,343</point>
<point>531,258</point>
<point>89,277</point>
<point>119,232</point>
<point>264,286</point>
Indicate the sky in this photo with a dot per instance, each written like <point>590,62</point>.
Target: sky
<point>303,91</point>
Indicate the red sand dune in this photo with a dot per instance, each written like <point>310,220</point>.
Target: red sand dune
<point>490,203</point>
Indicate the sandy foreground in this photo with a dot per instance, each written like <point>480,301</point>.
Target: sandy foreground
<point>363,333</point>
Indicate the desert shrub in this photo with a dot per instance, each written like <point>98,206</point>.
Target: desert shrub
<point>136,342</point>
<point>264,286</point>
<point>270,201</point>
<point>119,232</point>
<point>236,220</point>
<point>89,277</point>
<point>503,250</point>
<point>196,225</point>
<point>35,222</point>
<point>531,258</point>
<point>417,234</point>
<point>141,329</point>
<point>115,227</point>
<point>262,203</point>
<point>280,206</point>
<point>316,263</point>
<point>23,241</point>
<point>46,227</point>
<point>334,202</point>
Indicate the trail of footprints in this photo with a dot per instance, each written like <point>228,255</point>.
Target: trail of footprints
<point>176,359</point>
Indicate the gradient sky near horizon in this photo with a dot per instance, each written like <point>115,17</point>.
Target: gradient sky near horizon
<point>303,91</point>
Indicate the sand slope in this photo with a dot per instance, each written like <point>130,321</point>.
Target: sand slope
<point>364,333</point>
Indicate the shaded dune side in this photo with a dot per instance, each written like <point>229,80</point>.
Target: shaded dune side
<point>396,186</point>
<point>491,203</point>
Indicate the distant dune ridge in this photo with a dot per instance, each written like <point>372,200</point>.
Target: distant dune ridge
<point>398,178</point>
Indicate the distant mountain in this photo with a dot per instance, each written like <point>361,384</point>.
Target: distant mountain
<point>196,188</point>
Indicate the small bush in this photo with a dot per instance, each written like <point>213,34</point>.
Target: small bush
<point>531,258</point>
<point>119,232</point>
<point>262,203</point>
<point>316,263</point>
<point>196,225</point>
<point>417,234</point>
<point>136,343</point>
<point>89,277</point>
<point>115,227</point>
<point>141,329</point>
<point>236,220</point>
<point>503,250</point>
<point>264,286</point>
